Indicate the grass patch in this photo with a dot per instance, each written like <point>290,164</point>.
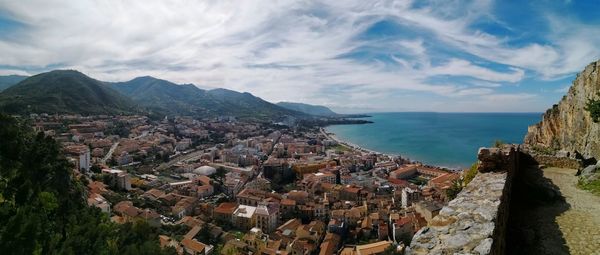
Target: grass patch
<point>593,186</point>
<point>339,148</point>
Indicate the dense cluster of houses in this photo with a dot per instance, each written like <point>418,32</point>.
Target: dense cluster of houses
<point>240,187</point>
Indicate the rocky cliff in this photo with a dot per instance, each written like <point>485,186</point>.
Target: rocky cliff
<point>567,125</point>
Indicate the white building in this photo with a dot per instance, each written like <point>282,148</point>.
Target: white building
<point>244,217</point>
<point>267,217</point>
<point>409,196</point>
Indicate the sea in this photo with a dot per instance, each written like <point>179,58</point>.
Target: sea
<point>441,139</point>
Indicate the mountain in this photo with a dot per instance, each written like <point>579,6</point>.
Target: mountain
<point>9,80</point>
<point>63,91</point>
<point>166,97</point>
<point>245,104</point>
<point>317,110</point>
<point>568,125</point>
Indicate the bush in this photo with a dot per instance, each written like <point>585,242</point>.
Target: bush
<point>470,173</point>
<point>593,106</point>
<point>499,143</point>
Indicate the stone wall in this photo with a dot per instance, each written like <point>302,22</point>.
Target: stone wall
<point>475,221</point>
<point>560,162</point>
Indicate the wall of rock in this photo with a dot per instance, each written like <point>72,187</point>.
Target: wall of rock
<point>567,125</point>
<point>475,221</point>
<point>554,161</point>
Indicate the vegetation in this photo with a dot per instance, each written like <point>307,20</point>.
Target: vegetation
<point>470,174</point>
<point>308,109</point>
<point>593,106</point>
<point>499,143</point>
<point>460,183</point>
<point>10,80</point>
<point>456,187</point>
<point>63,91</point>
<point>592,186</point>
<point>42,207</point>
<point>164,97</point>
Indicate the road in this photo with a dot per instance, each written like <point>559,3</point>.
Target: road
<point>110,152</point>
<point>189,156</point>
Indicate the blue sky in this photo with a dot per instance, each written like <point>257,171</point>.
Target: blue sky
<point>353,56</point>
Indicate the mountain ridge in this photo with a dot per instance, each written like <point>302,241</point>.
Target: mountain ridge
<point>568,125</point>
<point>317,110</point>
<point>64,91</point>
<point>169,98</point>
<point>7,81</point>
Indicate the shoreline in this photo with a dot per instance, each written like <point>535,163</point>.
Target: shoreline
<point>332,136</point>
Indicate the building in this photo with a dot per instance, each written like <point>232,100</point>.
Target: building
<point>81,156</point>
<point>367,249</point>
<point>267,217</point>
<point>224,212</point>
<point>99,201</point>
<point>428,209</point>
<point>244,217</point>
<point>409,196</point>
<point>118,178</point>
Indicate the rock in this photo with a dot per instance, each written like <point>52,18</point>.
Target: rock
<point>457,241</point>
<point>563,154</point>
<point>588,170</point>
<point>567,125</point>
<point>490,159</point>
<point>484,246</point>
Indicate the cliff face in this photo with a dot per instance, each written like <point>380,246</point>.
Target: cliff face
<point>567,125</point>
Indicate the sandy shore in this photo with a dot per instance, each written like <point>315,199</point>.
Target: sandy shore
<point>332,136</point>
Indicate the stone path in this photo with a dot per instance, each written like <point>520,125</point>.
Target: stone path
<point>580,224</point>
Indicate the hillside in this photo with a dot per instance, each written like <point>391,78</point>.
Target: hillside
<point>166,97</point>
<point>248,105</point>
<point>317,110</point>
<point>567,125</point>
<point>7,81</point>
<point>63,91</point>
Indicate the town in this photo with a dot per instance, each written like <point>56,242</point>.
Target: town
<point>232,186</point>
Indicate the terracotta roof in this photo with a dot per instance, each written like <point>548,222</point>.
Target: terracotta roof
<point>373,248</point>
<point>288,202</point>
<point>205,180</point>
<point>226,208</point>
<point>193,245</point>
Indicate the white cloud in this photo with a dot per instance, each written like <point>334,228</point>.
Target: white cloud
<point>287,50</point>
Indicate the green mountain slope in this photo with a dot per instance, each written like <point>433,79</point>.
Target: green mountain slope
<point>63,91</point>
<point>317,110</point>
<point>247,105</point>
<point>169,98</point>
<point>7,81</point>
<point>165,97</point>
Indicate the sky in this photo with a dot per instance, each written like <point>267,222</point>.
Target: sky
<point>352,56</point>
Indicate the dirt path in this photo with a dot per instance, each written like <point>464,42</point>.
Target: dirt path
<point>580,224</point>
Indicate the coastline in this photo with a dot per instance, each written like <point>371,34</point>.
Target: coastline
<point>332,136</point>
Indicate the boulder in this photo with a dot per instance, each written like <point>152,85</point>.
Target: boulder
<point>589,170</point>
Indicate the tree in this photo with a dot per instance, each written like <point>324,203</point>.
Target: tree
<point>96,169</point>
<point>454,189</point>
<point>204,234</point>
<point>42,207</point>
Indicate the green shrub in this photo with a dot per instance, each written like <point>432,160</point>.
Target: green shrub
<point>470,174</point>
<point>499,143</point>
<point>593,106</point>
